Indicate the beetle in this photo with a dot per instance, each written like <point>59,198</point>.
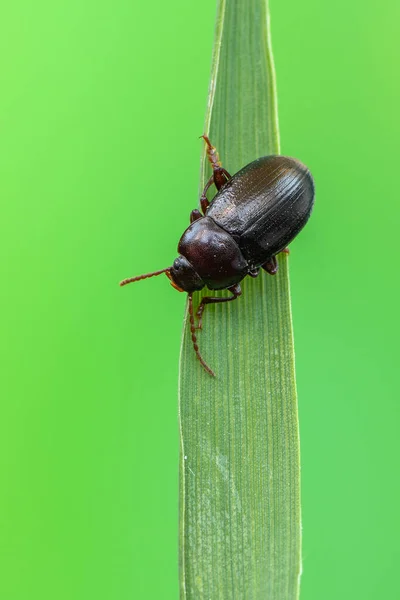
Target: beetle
<point>255,214</point>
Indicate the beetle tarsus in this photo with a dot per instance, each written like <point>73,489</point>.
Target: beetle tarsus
<point>212,153</point>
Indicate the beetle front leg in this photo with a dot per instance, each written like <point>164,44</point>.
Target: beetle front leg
<point>194,338</point>
<point>236,290</point>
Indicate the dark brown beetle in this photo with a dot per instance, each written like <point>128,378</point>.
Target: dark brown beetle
<point>256,213</point>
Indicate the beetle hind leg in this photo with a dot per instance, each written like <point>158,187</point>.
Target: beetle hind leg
<point>220,175</point>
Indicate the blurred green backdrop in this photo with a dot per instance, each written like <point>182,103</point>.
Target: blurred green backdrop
<point>101,107</point>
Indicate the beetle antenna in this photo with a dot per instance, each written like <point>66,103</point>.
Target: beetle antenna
<point>194,338</point>
<point>145,276</point>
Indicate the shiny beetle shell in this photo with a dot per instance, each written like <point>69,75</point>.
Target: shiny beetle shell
<point>264,206</point>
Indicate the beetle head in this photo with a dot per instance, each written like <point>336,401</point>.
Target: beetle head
<point>183,276</point>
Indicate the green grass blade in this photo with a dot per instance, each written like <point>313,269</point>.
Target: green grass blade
<point>240,530</point>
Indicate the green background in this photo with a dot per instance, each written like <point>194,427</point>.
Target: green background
<point>101,106</point>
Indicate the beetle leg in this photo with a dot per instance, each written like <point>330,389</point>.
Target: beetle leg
<point>194,339</point>
<point>271,266</point>
<point>203,198</point>
<point>195,214</point>
<point>254,272</point>
<point>236,290</point>
<point>220,175</point>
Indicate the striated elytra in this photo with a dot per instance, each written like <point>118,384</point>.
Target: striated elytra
<point>256,213</point>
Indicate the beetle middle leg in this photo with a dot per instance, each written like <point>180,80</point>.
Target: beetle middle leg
<point>271,266</point>
<point>235,290</point>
